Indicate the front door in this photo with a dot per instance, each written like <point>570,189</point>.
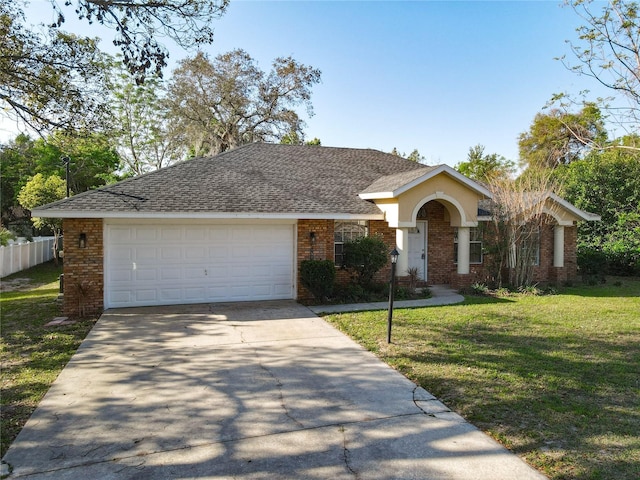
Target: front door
<point>418,249</point>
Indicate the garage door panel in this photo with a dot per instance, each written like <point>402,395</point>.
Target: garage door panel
<point>119,296</point>
<point>121,275</point>
<point>170,273</point>
<point>195,294</point>
<point>119,234</point>
<point>171,253</point>
<point>170,264</point>
<point>145,274</point>
<point>196,253</point>
<point>146,295</point>
<point>144,234</point>
<point>170,295</point>
<point>170,235</point>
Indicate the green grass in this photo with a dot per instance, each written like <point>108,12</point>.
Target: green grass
<point>31,354</point>
<point>554,378</point>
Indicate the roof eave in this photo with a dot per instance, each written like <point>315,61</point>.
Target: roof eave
<point>207,215</point>
<point>581,214</point>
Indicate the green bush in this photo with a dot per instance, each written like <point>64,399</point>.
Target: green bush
<point>591,261</point>
<point>5,236</point>
<point>319,277</point>
<point>364,257</point>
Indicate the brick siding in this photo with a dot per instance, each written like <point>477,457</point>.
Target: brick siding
<point>440,234</point>
<point>83,268</point>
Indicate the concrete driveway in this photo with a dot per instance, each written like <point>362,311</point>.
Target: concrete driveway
<point>244,390</point>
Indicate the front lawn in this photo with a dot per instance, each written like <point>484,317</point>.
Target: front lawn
<point>31,355</point>
<point>555,378</point>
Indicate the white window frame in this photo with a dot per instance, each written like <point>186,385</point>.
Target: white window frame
<point>346,231</point>
<point>475,245</point>
<point>537,239</point>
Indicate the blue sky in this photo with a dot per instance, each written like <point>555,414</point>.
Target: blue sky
<point>439,76</point>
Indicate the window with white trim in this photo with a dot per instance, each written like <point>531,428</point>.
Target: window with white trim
<point>475,245</point>
<point>346,231</point>
<point>530,244</point>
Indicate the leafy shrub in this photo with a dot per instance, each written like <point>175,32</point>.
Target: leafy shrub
<point>530,290</point>
<point>479,289</point>
<point>591,261</point>
<point>364,257</point>
<point>5,236</point>
<point>319,277</point>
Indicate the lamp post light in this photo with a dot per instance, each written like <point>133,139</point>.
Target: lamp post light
<point>394,259</point>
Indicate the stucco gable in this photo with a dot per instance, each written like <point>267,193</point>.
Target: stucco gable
<point>392,186</point>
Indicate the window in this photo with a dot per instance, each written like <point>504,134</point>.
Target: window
<point>530,245</point>
<point>475,245</point>
<point>346,231</point>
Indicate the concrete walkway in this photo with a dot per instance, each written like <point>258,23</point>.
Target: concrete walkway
<point>253,391</point>
<point>440,295</point>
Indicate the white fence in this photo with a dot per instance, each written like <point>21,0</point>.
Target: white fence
<point>20,256</point>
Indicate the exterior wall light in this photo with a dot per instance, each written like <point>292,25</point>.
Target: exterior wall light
<point>82,240</point>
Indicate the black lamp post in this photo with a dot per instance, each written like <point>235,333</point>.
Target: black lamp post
<point>394,259</point>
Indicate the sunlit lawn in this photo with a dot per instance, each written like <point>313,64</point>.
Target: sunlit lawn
<point>32,355</point>
<point>555,378</point>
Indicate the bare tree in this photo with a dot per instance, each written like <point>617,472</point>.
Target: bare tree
<point>520,210</point>
<point>608,50</point>
<point>142,132</point>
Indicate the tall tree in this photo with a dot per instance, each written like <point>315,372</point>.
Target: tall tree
<point>560,137</point>
<point>294,138</point>
<point>485,167</point>
<point>39,191</point>
<point>93,163</point>
<point>93,160</point>
<point>607,182</point>
<point>142,131</point>
<point>414,156</point>
<point>608,50</point>
<point>17,165</point>
<point>139,23</point>
<point>228,101</point>
<point>48,79</point>
<point>52,79</point>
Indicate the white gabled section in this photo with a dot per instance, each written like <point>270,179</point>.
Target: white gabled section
<point>446,169</point>
<point>581,214</point>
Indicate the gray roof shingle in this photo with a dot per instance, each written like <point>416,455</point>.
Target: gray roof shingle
<point>390,183</point>
<point>256,178</point>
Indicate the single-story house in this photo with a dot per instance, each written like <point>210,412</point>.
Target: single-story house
<point>236,226</point>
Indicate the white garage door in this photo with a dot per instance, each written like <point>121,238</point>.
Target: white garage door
<point>174,264</point>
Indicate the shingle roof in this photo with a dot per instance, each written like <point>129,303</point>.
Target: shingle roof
<point>389,183</point>
<point>256,178</point>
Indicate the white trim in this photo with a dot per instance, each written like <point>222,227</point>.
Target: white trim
<point>198,221</point>
<point>205,215</point>
<point>440,196</point>
<point>376,195</point>
<point>556,217</point>
<point>446,169</point>
<point>586,216</point>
